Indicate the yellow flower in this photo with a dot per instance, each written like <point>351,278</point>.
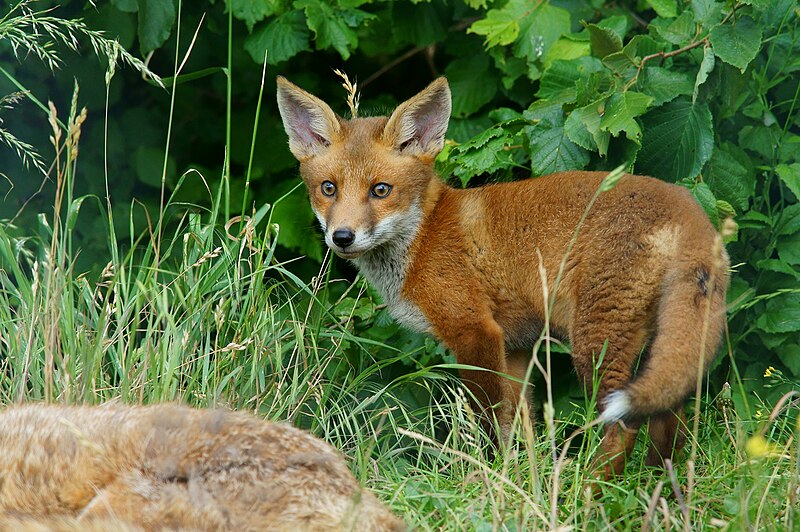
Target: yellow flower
<point>758,446</point>
<point>759,413</point>
<point>769,371</point>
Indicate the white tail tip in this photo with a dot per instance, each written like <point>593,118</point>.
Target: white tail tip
<point>617,405</point>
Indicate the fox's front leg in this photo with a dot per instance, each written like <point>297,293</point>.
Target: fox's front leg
<point>480,342</point>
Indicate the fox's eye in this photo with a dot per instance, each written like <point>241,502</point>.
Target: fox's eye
<point>381,190</point>
<point>328,188</point>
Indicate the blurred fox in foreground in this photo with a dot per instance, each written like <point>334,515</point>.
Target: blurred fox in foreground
<point>169,467</point>
<point>647,269</point>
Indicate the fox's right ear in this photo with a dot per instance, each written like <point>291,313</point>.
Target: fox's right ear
<point>309,122</point>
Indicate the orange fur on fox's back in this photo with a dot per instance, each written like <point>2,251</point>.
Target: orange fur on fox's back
<point>168,467</point>
<point>646,272</point>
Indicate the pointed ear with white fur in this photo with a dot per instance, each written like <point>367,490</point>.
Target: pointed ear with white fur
<point>418,125</point>
<point>309,122</point>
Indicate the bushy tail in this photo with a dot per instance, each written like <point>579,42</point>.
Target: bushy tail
<point>691,318</point>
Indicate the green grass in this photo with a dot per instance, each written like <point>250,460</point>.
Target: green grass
<point>198,310</point>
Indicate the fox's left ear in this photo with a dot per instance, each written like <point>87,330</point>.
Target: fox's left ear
<point>418,125</point>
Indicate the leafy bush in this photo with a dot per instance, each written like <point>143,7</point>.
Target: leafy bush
<point>701,93</point>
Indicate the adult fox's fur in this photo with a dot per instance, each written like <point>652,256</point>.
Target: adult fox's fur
<point>169,467</point>
<point>647,269</point>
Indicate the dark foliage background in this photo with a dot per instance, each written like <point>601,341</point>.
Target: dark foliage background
<point>702,93</point>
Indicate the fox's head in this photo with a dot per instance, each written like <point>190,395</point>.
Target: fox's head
<point>366,177</point>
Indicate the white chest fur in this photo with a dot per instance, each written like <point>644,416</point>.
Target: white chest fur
<point>385,268</point>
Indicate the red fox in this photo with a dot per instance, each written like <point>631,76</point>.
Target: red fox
<point>647,268</point>
<point>167,467</point>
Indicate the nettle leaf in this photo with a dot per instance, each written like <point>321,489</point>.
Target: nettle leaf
<point>551,150</point>
<point>500,27</point>
<point>253,11</point>
<point>332,25</point>
<point>540,27</point>
<point>663,85</point>
<point>283,38</point>
<point>678,140</point>
<point>737,43</point>
<point>620,111</point>
<point>730,177</point>
<point>472,83</point>
<point>156,20</point>
<point>484,153</point>
<point>790,175</point>
<point>664,8</point>
<point>604,41</point>
<point>781,314</point>
<point>706,66</point>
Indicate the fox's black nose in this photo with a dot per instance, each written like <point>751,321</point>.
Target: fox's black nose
<point>344,237</point>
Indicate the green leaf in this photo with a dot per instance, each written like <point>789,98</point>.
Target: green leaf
<point>483,153</point>
<point>679,31</point>
<point>551,150</point>
<point>500,27</point>
<point>781,315</point>
<point>706,66</point>
<point>126,6</point>
<point>586,120</point>
<point>604,41</point>
<point>539,27</point>
<point>472,83</point>
<point>789,354</point>
<point>663,85</point>
<point>283,38</point>
<point>156,20</point>
<point>253,11</point>
<point>737,43</point>
<point>678,140</point>
<point>331,25</point>
<point>790,175</point>
<point>664,8</point>
<point>707,201</point>
<point>789,249</point>
<point>789,222</point>
<point>296,220</point>
<point>729,176</point>
<point>620,111</point>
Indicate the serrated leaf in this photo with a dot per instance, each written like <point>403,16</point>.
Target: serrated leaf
<point>483,153</point>
<point>706,66</point>
<point>540,28</point>
<point>283,38</point>
<point>663,85</point>
<point>589,117</point>
<point>604,41</point>
<point>619,24</point>
<point>664,8</point>
<point>707,201</point>
<point>566,49</point>
<point>620,111</point>
<point>551,150</point>
<point>678,140</point>
<point>679,31</point>
<point>737,43</point>
<point>472,83</point>
<point>332,25</point>
<point>156,20</point>
<point>789,249</point>
<point>500,27</point>
<point>789,222</point>
<point>781,314</point>
<point>253,11</point>
<point>790,175</point>
<point>728,178</point>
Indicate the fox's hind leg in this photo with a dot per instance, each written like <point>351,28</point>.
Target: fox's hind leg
<point>667,436</point>
<point>614,310</point>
